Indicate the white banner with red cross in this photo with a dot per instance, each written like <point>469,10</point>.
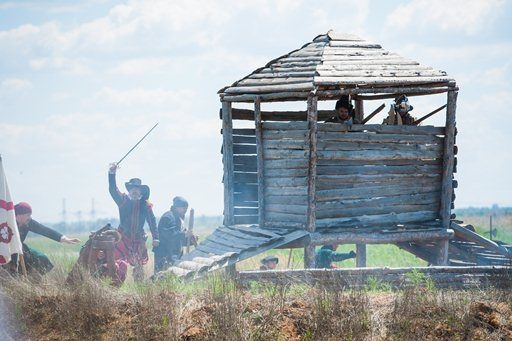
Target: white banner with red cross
<point>10,242</point>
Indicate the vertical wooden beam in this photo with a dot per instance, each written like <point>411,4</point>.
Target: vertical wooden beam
<point>448,160</point>
<point>309,250</point>
<point>359,110</point>
<point>227,158</point>
<point>442,253</point>
<point>259,161</point>
<point>361,255</point>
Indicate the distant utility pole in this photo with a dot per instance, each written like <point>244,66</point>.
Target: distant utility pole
<point>64,212</point>
<point>93,211</point>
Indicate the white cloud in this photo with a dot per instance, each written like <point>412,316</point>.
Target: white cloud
<point>67,65</point>
<point>141,66</point>
<point>13,88</point>
<point>141,96</point>
<point>469,17</point>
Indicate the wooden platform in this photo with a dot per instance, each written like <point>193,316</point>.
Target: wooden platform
<point>228,245</point>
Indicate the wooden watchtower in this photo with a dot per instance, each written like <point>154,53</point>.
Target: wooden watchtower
<point>360,184</point>
<point>291,180</point>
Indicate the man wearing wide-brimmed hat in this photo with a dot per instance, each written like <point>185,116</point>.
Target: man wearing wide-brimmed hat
<point>134,211</point>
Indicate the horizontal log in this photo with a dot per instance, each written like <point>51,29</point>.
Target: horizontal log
<point>304,86</point>
<point>271,217</point>
<point>244,132</point>
<point>246,219</point>
<point>245,210</point>
<point>402,162</point>
<point>363,180</point>
<point>285,134</point>
<point>244,139</point>
<point>286,182</point>
<point>255,82</point>
<point>442,277</point>
<point>365,145</point>
<point>354,137</point>
<point>285,154</point>
<point>285,164</point>
<point>285,126</point>
<point>318,238</point>
<point>373,192</point>
<point>245,177</point>
<point>285,172</point>
<point>244,149</point>
<point>300,144</point>
<point>385,129</point>
<point>374,210</point>
<point>286,208</point>
<point>424,198</point>
<point>277,198</point>
<point>466,234</point>
<point>372,155</point>
<point>376,169</point>
<point>248,114</point>
<point>361,221</point>
<point>269,190</point>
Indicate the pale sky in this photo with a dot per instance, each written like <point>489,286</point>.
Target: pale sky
<point>82,81</point>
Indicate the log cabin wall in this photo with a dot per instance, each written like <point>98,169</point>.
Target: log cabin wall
<point>245,179</point>
<point>376,175</point>
<point>372,175</point>
<point>285,156</point>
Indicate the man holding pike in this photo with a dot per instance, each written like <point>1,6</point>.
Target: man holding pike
<point>134,211</point>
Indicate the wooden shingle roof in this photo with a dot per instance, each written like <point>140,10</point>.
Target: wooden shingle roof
<point>337,62</point>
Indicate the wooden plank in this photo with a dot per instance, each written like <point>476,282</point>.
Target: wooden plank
<point>240,235</point>
<point>227,136</point>
<point>375,210</point>
<point>372,170</point>
<point>352,137</point>
<point>299,144</point>
<point>287,208</point>
<point>245,160</point>
<point>284,191</point>
<point>468,235</point>
<point>285,172</point>
<point>399,218</point>
<point>425,198</point>
<point>284,134</point>
<point>356,179</point>
<point>304,86</point>
<point>398,162</point>
<point>373,192</point>
<point>247,114</point>
<point>245,177</point>
<point>448,156</point>
<point>385,129</point>
<point>309,259</point>
<point>301,126</point>
<point>287,182</point>
<point>246,210</point>
<point>246,219</point>
<point>244,149</point>
<point>239,139</point>
<point>285,164</point>
<point>285,217</point>
<point>277,198</point>
<point>285,154</point>
<point>364,155</point>
<point>360,146</point>
<point>261,169</point>
<point>244,131</point>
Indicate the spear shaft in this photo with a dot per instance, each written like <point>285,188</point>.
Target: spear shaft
<point>143,137</point>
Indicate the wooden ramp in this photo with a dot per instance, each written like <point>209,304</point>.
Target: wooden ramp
<point>467,248</point>
<point>228,245</point>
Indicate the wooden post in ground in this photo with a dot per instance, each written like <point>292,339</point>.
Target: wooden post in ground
<point>448,160</point>
<point>21,261</point>
<point>309,249</point>
<point>259,161</point>
<point>227,158</point>
<point>361,255</point>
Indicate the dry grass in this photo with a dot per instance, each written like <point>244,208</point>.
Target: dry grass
<point>217,309</point>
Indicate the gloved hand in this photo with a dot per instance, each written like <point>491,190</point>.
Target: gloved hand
<point>352,254</point>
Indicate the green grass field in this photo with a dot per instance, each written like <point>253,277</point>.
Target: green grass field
<point>65,255</point>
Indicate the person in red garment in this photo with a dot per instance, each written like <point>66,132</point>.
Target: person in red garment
<point>134,211</point>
